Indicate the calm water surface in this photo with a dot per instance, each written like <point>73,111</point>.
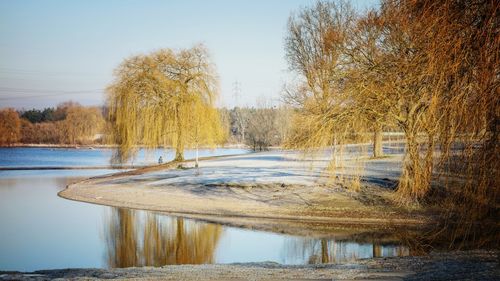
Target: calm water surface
<point>51,157</point>
<point>39,230</point>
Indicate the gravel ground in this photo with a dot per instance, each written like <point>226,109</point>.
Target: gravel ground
<point>466,265</point>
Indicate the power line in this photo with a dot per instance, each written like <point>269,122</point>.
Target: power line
<point>42,93</point>
<point>17,71</point>
<point>28,97</point>
<point>35,90</point>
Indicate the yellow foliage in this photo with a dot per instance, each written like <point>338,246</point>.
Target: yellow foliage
<point>165,98</point>
<point>82,123</point>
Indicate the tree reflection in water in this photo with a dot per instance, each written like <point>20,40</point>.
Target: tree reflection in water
<point>135,238</point>
<point>314,251</point>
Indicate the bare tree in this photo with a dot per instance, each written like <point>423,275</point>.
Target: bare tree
<point>81,124</point>
<point>241,119</point>
<point>365,77</point>
<point>283,122</point>
<point>315,44</point>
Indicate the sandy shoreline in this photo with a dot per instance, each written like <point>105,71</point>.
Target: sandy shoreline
<point>282,192</point>
<point>274,191</point>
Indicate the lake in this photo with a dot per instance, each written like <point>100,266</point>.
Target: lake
<point>39,230</point>
<point>84,157</point>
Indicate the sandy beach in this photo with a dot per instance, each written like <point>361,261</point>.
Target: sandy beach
<point>280,191</point>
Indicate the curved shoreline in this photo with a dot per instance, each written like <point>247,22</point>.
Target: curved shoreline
<point>271,191</point>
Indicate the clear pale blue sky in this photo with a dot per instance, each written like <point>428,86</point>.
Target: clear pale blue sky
<point>54,51</point>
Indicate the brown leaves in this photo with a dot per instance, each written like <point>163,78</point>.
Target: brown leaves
<point>10,126</point>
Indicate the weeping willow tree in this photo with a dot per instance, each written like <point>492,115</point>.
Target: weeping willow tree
<point>462,49</point>
<point>432,69</point>
<point>165,98</point>
<point>442,61</point>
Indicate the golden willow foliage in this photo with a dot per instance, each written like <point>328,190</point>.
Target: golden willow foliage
<point>165,98</point>
<point>206,125</point>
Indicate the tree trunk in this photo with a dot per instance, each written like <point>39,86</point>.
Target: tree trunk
<point>180,253</point>
<point>407,181</point>
<point>179,152</point>
<point>334,152</point>
<point>196,165</point>
<point>179,148</point>
<point>415,180</point>
<point>377,251</point>
<point>324,251</point>
<point>377,143</point>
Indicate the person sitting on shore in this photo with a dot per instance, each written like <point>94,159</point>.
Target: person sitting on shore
<point>160,160</point>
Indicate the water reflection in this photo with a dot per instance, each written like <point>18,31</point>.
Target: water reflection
<point>146,239</point>
<point>72,234</point>
<point>138,238</point>
<point>315,251</point>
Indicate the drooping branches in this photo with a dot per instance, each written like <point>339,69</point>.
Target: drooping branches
<point>164,98</point>
<point>431,68</point>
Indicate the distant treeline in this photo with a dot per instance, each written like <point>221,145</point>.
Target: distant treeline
<point>70,123</point>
